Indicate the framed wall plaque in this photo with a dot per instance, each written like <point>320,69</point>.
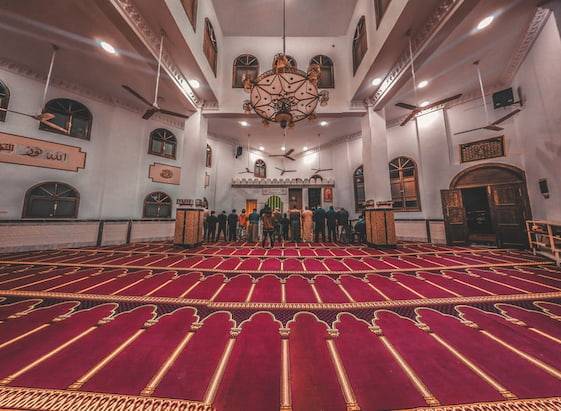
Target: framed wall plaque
<point>40,153</point>
<point>482,149</point>
<point>162,173</point>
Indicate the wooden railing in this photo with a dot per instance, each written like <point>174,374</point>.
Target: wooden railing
<point>544,238</point>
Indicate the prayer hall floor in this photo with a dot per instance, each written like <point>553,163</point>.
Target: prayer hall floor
<point>302,327</point>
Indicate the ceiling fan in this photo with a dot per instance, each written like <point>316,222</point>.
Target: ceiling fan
<point>284,170</point>
<point>247,170</point>
<point>44,117</point>
<point>494,126</point>
<point>416,109</point>
<point>285,155</point>
<point>153,107</point>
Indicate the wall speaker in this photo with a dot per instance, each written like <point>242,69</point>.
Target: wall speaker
<point>503,98</point>
<point>544,188</point>
<point>238,152</point>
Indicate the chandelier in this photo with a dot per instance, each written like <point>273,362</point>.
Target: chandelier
<point>284,94</point>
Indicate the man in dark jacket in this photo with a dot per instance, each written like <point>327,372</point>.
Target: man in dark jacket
<point>211,222</point>
<point>343,222</point>
<point>319,226</point>
<point>233,226</point>
<point>331,224</point>
<point>222,219</point>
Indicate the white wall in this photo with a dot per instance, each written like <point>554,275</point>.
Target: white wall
<point>115,179</point>
<point>539,125</point>
<point>344,157</point>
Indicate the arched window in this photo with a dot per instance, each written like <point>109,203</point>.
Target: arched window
<point>157,205</point>
<point>210,47</point>
<point>190,7</point>
<point>327,79</point>
<point>360,44</point>
<point>4,100</point>
<point>51,200</point>
<point>358,183</point>
<point>260,169</point>
<point>403,180</point>
<point>72,116</point>
<point>245,65</point>
<point>316,179</point>
<point>162,143</point>
<point>292,61</point>
<point>208,156</point>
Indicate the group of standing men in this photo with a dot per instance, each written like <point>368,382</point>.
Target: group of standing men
<point>310,225</point>
<point>296,225</point>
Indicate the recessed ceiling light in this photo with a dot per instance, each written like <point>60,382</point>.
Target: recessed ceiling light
<point>261,148</point>
<point>424,104</point>
<point>244,123</point>
<point>377,81</point>
<point>283,148</point>
<point>485,22</point>
<point>305,148</point>
<point>194,83</point>
<point>323,123</point>
<point>423,84</point>
<point>107,47</point>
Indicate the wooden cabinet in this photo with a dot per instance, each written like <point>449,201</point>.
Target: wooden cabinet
<point>188,227</point>
<point>380,228</point>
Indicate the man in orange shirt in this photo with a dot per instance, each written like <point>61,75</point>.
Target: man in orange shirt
<point>243,224</point>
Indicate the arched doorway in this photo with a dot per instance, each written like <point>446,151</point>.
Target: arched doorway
<point>487,204</point>
<point>275,202</point>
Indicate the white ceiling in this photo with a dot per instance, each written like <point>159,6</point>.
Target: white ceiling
<point>305,133</point>
<point>450,68</point>
<point>28,27</point>
<point>321,18</point>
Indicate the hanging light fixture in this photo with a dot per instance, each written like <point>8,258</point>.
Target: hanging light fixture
<point>285,94</point>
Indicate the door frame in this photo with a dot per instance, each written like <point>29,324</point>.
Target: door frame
<point>510,175</point>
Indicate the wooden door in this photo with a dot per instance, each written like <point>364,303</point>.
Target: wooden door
<point>509,213</point>
<point>295,197</point>
<point>250,205</point>
<point>455,221</point>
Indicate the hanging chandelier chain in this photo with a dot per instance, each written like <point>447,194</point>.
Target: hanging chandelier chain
<point>285,94</point>
<point>283,26</point>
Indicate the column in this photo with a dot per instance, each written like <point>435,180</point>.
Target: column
<point>380,226</point>
<point>189,216</point>
<point>435,164</point>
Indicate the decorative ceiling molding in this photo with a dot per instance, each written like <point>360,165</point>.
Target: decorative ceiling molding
<point>527,41</point>
<point>420,40</point>
<point>136,21</point>
<point>211,106</point>
<point>358,105</point>
<point>75,88</point>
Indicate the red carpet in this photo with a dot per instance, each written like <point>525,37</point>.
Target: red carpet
<point>307,327</point>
